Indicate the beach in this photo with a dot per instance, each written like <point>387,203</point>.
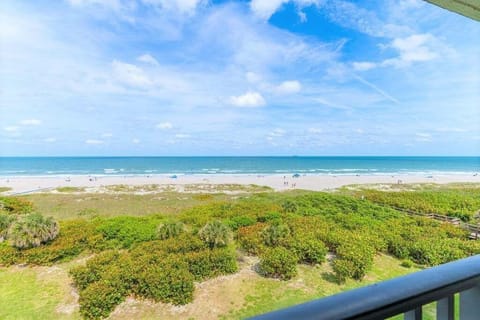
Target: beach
<point>278,182</point>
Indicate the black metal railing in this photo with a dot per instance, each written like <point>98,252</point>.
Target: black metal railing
<point>406,294</point>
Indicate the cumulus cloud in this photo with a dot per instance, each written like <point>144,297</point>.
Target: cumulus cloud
<point>414,48</point>
<point>130,75</point>
<point>288,87</point>
<point>136,141</point>
<point>249,99</point>
<point>147,58</point>
<point>94,141</point>
<point>164,126</point>
<point>30,122</point>
<point>264,9</point>
<point>182,136</point>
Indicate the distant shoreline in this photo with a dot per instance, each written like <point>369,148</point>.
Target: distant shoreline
<point>278,182</point>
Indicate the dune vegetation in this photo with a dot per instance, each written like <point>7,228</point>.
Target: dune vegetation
<point>238,254</point>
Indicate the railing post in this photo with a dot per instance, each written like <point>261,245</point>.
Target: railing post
<point>470,304</point>
<point>446,308</point>
<point>415,314</point>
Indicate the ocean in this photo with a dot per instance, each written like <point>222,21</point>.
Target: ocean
<point>127,166</point>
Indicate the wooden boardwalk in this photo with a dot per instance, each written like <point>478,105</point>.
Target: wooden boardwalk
<point>473,229</point>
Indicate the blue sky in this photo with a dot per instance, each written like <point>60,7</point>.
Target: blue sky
<point>260,77</point>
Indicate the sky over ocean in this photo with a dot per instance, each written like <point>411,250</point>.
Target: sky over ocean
<point>276,77</point>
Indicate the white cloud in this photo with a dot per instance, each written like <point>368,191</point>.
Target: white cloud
<point>182,136</point>
<point>107,135</point>
<point>414,48</point>
<point>264,9</point>
<point>11,128</point>
<point>164,126</point>
<point>130,75</point>
<point>249,99</point>
<point>147,58</point>
<point>30,122</point>
<point>363,66</point>
<point>289,87</point>
<point>50,140</point>
<point>136,141</point>
<point>94,141</point>
<point>181,6</point>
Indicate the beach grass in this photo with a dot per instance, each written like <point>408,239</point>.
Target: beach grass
<point>70,189</point>
<point>5,189</point>
<point>88,205</point>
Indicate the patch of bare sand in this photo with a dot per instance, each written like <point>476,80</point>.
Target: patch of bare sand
<point>212,298</point>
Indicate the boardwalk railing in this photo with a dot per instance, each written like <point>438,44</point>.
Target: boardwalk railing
<point>403,295</point>
<point>473,229</point>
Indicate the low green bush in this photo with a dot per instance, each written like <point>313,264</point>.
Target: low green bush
<point>249,238</point>
<point>407,263</point>
<point>240,221</point>
<point>166,283</point>
<point>310,250</point>
<point>125,231</point>
<point>356,255</point>
<point>210,263</point>
<point>15,205</point>
<point>99,299</point>
<point>278,263</point>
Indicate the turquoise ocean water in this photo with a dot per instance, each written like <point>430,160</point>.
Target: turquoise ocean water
<point>64,166</point>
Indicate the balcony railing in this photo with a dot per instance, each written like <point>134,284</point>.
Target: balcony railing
<point>406,294</point>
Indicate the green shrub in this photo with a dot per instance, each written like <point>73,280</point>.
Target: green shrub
<point>249,238</point>
<point>125,231</point>
<point>433,252</point>
<point>240,221</point>
<point>278,263</point>
<point>167,284</point>
<point>289,206</point>
<point>359,255</point>
<point>99,299</point>
<point>407,263</point>
<point>14,205</point>
<point>169,230</point>
<point>343,269</point>
<point>210,263</point>
<point>310,250</point>
<point>215,234</point>
<point>83,276</point>
<point>31,231</point>
<point>275,234</point>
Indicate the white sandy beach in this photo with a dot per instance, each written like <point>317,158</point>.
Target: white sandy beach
<point>277,182</point>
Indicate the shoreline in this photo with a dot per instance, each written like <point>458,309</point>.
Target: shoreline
<point>278,182</point>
